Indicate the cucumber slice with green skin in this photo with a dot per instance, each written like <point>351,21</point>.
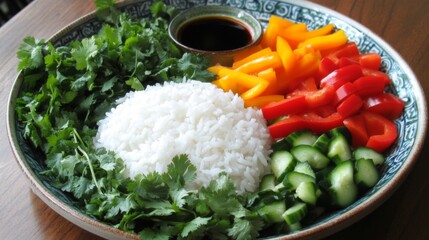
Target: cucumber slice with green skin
<point>343,189</point>
<point>294,227</point>
<point>369,153</point>
<point>268,183</point>
<point>302,137</point>
<point>322,143</point>
<point>293,179</point>
<point>342,130</point>
<point>281,144</point>
<point>273,212</point>
<point>295,213</point>
<point>282,162</point>
<point>366,175</point>
<point>307,192</point>
<point>304,167</point>
<point>312,155</point>
<point>339,149</point>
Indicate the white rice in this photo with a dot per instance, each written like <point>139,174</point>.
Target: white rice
<point>148,128</point>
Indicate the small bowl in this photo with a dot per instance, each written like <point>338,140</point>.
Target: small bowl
<point>217,15</point>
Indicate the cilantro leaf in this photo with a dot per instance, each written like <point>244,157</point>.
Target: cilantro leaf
<point>83,53</point>
<point>194,225</point>
<point>30,53</point>
<point>245,229</point>
<point>180,172</point>
<point>154,235</point>
<point>159,9</point>
<point>106,10</point>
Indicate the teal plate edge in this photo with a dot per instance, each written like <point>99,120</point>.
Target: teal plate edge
<point>411,125</point>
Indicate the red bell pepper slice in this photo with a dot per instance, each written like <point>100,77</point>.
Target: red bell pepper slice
<point>382,132</point>
<point>385,104</point>
<point>288,106</point>
<point>369,60</point>
<point>311,121</point>
<point>349,50</point>
<point>343,92</point>
<point>319,98</point>
<point>369,85</point>
<point>308,84</point>
<point>350,106</point>
<point>345,61</point>
<point>325,111</point>
<point>357,128</point>
<point>371,72</point>
<point>319,125</point>
<point>342,75</point>
<point>286,126</point>
<point>326,66</point>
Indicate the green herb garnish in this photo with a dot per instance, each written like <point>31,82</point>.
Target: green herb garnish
<point>66,90</point>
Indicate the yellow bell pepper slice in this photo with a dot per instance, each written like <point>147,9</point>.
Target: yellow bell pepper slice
<point>262,100</point>
<point>226,83</point>
<point>215,69</point>
<point>255,91</point>
<point>271,60</point>
<point>251,57</point>
<point>326,42</point>
<point>298,37</point>
<point>275,25</point>
<point>242,79</point>
<point>286,54</point>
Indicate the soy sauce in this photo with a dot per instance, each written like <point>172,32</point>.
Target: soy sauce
<point>214,34</point>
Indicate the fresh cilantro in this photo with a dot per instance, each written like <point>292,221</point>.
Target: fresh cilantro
<point>66,90</point>
<point>106,10</point>
<point>84,53</point>
<point>30,53</point>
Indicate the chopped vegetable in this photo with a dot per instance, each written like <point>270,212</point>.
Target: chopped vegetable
<point>384,104</point>
<point>306,181</point>
<point>289,51</point>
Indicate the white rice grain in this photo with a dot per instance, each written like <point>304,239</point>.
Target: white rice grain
<point>148,128</point>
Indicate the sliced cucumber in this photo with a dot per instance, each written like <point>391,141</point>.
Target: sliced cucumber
<point>273,212</point>
<point>343,189</point>
<point>268,183</point>
<point>294,227</point>
<point>302,137</point>
<point>282,162</point>
<point>293,179</point>
<point>366,175</point>
<point>342,130</point>
<point>312,155</point>
<point>281,144</point>
<point>339,149</point>
<point>307,192</point>
<point>295,213</point>
<point>369,153</point>
<point>322,143</point>
<point>304,167</point>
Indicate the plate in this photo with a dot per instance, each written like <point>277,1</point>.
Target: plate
<point>401,157</point>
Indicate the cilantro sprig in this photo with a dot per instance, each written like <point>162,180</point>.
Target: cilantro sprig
<point>66,90</point>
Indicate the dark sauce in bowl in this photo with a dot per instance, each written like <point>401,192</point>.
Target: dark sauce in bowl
<point>214,33</point>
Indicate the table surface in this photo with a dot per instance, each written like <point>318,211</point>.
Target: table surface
<point>403,216</point>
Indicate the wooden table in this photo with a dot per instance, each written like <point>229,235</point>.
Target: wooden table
<point>401,23</point>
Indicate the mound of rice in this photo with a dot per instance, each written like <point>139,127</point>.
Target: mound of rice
<point>148,128</point>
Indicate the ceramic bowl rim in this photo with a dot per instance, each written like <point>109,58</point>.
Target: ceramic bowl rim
<point>215,11</point>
